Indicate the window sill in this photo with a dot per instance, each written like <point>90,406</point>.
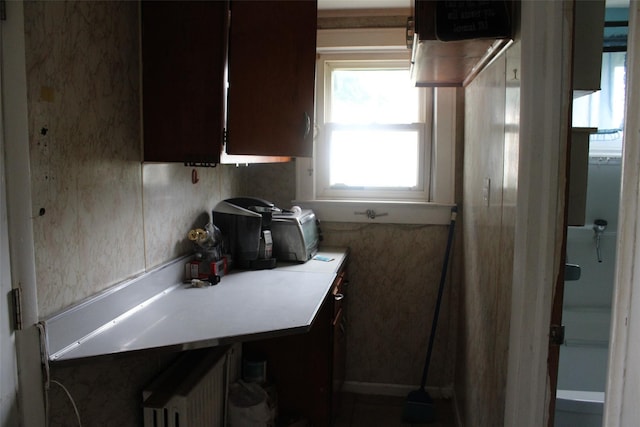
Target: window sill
<point>379,211</point>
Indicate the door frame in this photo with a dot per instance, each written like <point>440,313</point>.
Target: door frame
<point>546,34</point>
<point>623,380</point>
<point>8,362</point>
<point>31,394</point>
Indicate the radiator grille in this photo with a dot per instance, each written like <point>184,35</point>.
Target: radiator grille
<point>191,392</point>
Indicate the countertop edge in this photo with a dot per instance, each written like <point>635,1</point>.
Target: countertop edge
<point>70,329</point>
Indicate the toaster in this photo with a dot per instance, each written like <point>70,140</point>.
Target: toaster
<point>295,235</point>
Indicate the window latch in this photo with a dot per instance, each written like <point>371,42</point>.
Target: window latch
<point>371,214</point>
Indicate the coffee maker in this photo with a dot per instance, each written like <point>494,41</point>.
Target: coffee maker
<point>245,224</point>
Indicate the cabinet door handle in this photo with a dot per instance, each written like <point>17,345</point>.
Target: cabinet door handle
<point>307,124</point>
<point>338,297</point>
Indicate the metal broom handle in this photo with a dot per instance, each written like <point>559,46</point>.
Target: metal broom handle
<point>443,276</point>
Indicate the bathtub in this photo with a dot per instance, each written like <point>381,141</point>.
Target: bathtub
<point>579,408</point>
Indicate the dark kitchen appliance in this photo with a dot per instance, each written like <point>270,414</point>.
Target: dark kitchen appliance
<point>295,235</point>
<point>245,223</point>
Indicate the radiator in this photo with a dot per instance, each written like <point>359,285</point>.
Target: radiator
<point>192,391</point>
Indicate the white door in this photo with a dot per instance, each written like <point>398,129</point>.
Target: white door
<point>546,37</point>
<point>8,371</point>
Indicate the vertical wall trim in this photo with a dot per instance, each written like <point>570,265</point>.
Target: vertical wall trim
<point>545,100</point>
<point>623,383</point>
<point>21,245</point>
<point>444,145</point>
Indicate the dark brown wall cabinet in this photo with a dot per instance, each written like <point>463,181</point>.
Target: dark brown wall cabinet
<point>272,60</point>
<point>244,66</point>
<point>184,48</point>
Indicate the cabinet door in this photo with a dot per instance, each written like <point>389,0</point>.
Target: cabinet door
<point>271,78</point>
<point>183,79</point>
<point>300,368</point>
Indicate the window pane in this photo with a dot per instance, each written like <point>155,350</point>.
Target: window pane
<point>605,108</point>
<point>374,158</point>
<point>373,96</point>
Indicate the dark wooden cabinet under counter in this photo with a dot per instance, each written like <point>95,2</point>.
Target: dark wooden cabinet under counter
<point>308,369</point>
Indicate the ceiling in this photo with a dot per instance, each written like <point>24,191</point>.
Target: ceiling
<point>363,4</point>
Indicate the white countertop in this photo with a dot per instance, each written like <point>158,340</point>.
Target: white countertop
<point>244,305</point>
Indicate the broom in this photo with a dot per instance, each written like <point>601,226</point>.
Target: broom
<point>419,407</point>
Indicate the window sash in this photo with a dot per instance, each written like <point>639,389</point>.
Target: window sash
<point>322,188</point>
<point>331,65</point>
<point>326,191</point>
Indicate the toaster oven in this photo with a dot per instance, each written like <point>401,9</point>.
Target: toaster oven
<point>295,235</point>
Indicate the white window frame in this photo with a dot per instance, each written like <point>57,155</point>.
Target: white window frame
<point>326,65</point>
<point>440,109</point>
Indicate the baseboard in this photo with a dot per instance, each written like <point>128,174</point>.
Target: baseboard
<point>383,389</point>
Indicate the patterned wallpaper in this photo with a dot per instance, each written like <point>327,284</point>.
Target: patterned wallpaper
<point>394,275</point>
<point>84,143</point>
<point>101,216</point>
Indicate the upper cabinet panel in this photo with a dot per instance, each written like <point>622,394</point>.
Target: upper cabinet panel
<point>184,47</point>
<point>588,43</point>
<point>244,66</point>
<point>271,78</point>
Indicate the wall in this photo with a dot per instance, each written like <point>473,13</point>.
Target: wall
<point>101,216</point>
<point>489,198</point>
<point>394,277</point>
<point>587,302</point>
<point>394,273</point>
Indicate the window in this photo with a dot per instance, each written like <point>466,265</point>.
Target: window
<point>371,140</point>
<point>604,109</point>
<point>376,148</point>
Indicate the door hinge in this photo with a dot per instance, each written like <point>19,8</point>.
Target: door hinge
<point>556,334</point>
<point>16,301</point>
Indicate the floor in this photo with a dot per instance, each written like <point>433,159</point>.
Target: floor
<point>360,410</point>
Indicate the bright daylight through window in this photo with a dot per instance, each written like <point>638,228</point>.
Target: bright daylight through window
<point>370,129</point>
<point>372,140</point>
<point>384,149</point>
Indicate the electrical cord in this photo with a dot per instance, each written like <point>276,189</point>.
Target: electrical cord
<point>73,403</point>
<point>47,373</point>
<point>47,377</point>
